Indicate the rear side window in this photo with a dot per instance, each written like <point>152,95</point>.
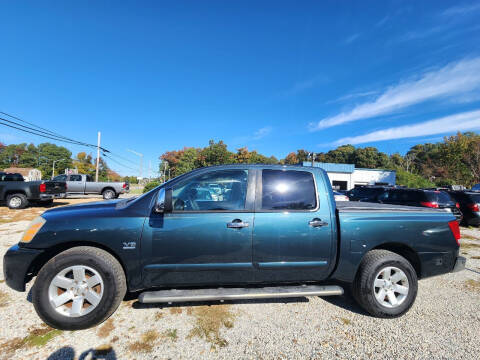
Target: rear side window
<point>75,177</point>
<point>288,190</point>
<point>474,197</point>
<point>439,197</point>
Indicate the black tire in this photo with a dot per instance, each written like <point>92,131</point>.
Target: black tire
<point>102,262</point>
<point>108,194</point>
<point>363,287</point>
<point>17,201</point>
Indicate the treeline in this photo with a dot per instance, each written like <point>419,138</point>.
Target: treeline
<point>42,157</point>
<point>455,160</point>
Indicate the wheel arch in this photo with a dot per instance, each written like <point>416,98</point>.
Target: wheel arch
<point>405,251</point>
<point>11,192</point>
<point>41,260</point>
<point>108,188</point>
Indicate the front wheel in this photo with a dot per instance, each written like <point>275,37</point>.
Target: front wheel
<point>386,284</point>
<point>78,288</point>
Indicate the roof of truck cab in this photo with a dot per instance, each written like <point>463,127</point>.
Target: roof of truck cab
<point>260,166</point>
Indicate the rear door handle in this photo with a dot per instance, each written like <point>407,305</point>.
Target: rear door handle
<point>237,224</point>
<point>317,223</point>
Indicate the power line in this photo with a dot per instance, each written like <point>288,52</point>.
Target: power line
<point>47,132</point>
<point>119,163</point>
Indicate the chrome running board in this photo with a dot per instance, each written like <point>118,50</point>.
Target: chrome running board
<point>184,295</point>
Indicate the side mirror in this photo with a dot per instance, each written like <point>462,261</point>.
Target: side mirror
<point>164,201</point>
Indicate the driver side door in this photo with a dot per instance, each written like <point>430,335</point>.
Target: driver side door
<point>207,236</point>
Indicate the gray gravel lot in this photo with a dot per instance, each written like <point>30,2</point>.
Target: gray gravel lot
<point>443,323</point>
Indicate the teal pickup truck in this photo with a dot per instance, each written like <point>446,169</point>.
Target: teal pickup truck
<point>229,233</point>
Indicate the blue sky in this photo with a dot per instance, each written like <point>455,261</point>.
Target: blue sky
<point>275,76</point>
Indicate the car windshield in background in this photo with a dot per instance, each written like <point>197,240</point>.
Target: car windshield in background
<point>438,197</point>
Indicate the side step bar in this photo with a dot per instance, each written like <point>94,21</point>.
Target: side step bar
<point>184,295</point>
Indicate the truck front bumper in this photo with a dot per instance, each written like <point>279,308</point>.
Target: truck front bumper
<point>16,263</point>
<point>459,264</point>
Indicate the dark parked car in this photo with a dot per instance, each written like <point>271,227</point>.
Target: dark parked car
<point>365,193</point>
<point>469,205</point>
<point>18,193</point>
<point>420,197</point>
<point>269,231</point>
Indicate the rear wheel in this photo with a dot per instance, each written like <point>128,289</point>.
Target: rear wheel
<point>108,194</point>
<point>79,288</point>
<point>386,284</point>
<point>17,201</point>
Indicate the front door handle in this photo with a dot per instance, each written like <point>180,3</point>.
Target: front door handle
<point>317,223</point>
<point>237,224</point>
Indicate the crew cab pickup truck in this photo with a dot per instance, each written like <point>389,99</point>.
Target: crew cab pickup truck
<point>18,194</point>
<point>265,231</point>
<point>84,184</point>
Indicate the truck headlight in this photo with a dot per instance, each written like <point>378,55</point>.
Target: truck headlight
<point>33,229</point>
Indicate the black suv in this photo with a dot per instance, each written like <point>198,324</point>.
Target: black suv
<point>419,197</point>
<point>365,193</point>
<point>469,205</point>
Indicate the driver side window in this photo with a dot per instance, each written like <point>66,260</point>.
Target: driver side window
<point>212,191</point>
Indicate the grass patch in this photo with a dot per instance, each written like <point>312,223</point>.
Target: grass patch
<point>469,237</point>
<point>175,310</point>
<point>4,298</point>
<point>38,337</point>
<point>209,321</point>
<point>345,321</point>
<point>464,246</point>
<point>171,334</point>
<point>473,284</point>
<point>106,329</point>
<point>158,316</point>
<point>146,342</point>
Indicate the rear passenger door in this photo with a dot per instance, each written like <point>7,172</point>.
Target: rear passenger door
<point>75,184</point>
<point>292,236</point>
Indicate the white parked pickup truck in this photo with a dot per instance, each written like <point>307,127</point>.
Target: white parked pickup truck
<point>84,184</point>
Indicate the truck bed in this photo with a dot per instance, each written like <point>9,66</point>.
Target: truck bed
<point>357,206</point>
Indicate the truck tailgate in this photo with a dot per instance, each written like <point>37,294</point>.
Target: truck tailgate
<point>55,187</point>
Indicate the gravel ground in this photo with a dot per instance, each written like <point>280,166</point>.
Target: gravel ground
<point>443,323</point>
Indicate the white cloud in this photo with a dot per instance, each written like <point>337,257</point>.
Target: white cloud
<point>261,133</point>
<point>301,86</point>
<point>448,124</point>
<point>460,10</point>
<point>453,80</point>
<point>352,38</point>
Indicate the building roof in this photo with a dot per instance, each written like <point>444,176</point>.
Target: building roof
<point>332,167</point>
<point>23,171</point>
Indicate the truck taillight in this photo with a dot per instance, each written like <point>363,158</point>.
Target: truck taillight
<point>455,230</point>
<point>430,204</point>
<point>43,188</point>
<point>457,205</point>
<point>473,207</point>
<point>124,185</point>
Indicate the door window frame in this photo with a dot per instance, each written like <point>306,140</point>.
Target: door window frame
<point>259,193</point>
<point>249,198</point>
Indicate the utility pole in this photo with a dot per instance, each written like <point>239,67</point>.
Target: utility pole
<point>98,157</point>
<point>141,160</point>
<point>313,158</point>
<point>53,167</point>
